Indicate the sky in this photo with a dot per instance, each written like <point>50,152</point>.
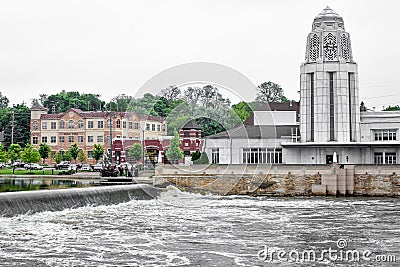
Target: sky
<point>117,47</point>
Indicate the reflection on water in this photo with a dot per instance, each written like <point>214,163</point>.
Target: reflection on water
<point>23,184</point>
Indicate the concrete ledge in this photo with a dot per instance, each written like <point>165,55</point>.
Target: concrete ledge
<point>318,189</point>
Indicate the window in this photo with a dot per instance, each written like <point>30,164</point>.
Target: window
<point>261,155</point>
<point>390,158</point>
<point>80,139</point>
<point>385,135</point>
<point>62,139</point>
<point>385,158</point>
<point>90,124</point>
<point>158,127</point>
<point>71,139</point>
<point>310,78</point>
<point>186,134</point>
<point>35,140</point>
<point>71,124</point>
<point>44,139</point>
<point>53,125</point>
<point>108,139</point>
<point>153,127</point>
<point>100,124</point>
<point>100,139</point>
<point>118,123</point>
<point>124,124</point>
<point>130,125</point>
<point>148,127</point>
<point>108,123</point>
<point>136,125</point>
<point>331,108</point>
<point>90,154</point>
<point>80,124</point>
<point>62,124</point>
<point>215,156</point>
<point>90,139</point>
<point>53,139</point>
<point>35,125</point>
<point>44,125</point>
<point>163,127</point>
<point>186,144</point>
<point>197,134</point>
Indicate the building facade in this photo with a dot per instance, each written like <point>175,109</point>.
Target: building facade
<point>85,129</point>
<point>331,127</point>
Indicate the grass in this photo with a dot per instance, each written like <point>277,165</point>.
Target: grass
<point>28,172</point>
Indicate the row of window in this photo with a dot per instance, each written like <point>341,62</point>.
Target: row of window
<point>70,138</point>
<point>100,125</point>
<point>385,158</point>
<point>254,156</point>
<point>385,135</point>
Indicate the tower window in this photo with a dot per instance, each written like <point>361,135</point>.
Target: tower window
<point>331,108</point>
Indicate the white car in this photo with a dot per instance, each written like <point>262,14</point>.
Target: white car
<point>33,166</point>
<point>2,165</point>
<point>97,167</point>
<point>86,167</point>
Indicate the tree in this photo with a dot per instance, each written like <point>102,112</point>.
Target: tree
<point>3,101</point>
<point>174,153</point>
<point>81,156</point>
<point>270,92</point>
<point>3,154</point>
<point>363,108</point>
<point>243,110</point>
<point>97,152</point>
<point>30,154</point>
<point>73,151</point>
<point>170,93</point>
<point>203,159</point>
<point>14,151</point>
<point>67,156</point>
<point>21,134</point>
<point>392,108</point>
<point>136,152</point>
<point>58,157</point>
<point>44,151</point>
<point>63,101</point>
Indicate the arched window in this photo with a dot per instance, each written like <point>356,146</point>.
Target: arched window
<point>118,123</point>
<point>71,124</point>
<point>35,125</point>
<point>80,124</point>
<point>62,124</point>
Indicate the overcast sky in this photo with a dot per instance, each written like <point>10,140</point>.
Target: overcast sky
<point>114,47</point>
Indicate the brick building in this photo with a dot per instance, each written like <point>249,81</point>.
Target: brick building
<point>87,128</point>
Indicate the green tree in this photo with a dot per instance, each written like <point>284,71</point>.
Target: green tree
<point>30,154</point>
<point>21,134</point>
<point>73,151</point>
<point>3,101</point>
<point>58,157</point>
<point>14,152</point>
<point>97,152</point>
<point>170,93</point>
<point>243,110</point>
<point>392,108</point>
<point>81,156</point>
<point>44,151</point>
<point>270,92</point>
<point>67,156</point>
<point>136,152</point>
<point>65,100</point>
<point>203,159</point>
<point>3,154</point>
<point>174,153</point>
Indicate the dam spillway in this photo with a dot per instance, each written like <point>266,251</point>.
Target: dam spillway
<point>14,203</point>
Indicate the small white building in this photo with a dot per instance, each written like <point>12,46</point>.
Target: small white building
<point>328,121</point>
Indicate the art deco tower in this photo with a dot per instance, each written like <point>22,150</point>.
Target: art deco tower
<point>329,83</point>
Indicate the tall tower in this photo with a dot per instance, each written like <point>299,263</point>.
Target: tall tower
<point>329,83</point>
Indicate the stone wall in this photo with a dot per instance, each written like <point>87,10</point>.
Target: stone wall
<point>284,180</point>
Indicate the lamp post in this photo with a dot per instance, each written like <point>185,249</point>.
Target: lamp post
<point>143,146</point>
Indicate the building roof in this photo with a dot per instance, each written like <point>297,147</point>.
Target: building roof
<point>328,14</point>
<point>255,132</point>
<point>190,124</point>
<point>274,106</point>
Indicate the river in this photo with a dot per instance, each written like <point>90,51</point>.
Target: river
<point>183,229</point>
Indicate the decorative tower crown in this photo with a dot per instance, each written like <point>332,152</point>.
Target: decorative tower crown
<point>328,40</point>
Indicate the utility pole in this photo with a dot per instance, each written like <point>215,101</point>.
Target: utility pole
<point>12,126</point>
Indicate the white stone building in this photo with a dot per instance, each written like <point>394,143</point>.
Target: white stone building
<point>330,126</point>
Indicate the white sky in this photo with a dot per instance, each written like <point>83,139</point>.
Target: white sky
<point>114,47</point>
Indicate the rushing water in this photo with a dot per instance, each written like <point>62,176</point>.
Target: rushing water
<point>182,229</point>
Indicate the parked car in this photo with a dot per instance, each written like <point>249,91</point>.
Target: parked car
<point>97,167</point>
<point>2,165</point>
<point>62,165</point>
<point>86,167</point>
<point>18,164</point>
<point>33,166</point>
<point>73,167</point>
